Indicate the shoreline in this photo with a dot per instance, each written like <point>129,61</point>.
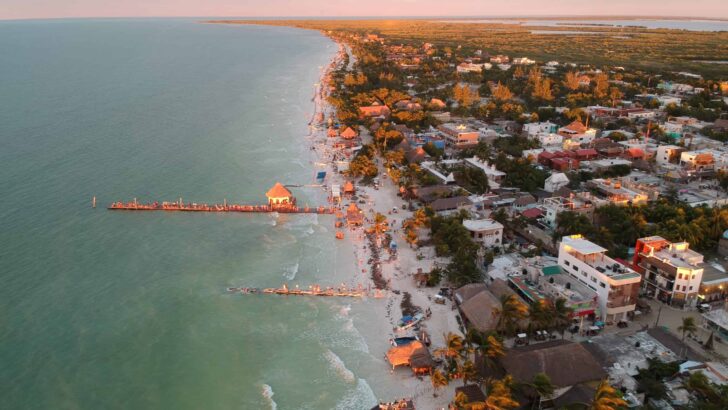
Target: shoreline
<point>376,321</point>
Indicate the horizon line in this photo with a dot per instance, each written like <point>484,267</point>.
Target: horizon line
<point>383,17</point>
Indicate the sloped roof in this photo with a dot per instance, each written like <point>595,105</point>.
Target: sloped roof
<point>577,127</point>
<point>444,204</point>
<point>348,133</point>
<point>278,191</point>
<point>532,213</point>
<point>466,292</point>
<point>566,363</point>
<point>479,311</point>
<point>413,354</point>
<point>472,392</point>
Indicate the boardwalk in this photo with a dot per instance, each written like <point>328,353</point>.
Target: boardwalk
<point>224,207</point>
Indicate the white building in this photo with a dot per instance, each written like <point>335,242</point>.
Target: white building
<point>535,128</point>
<point>487,232</point>
<point>495,177</point>
<point>617,286</point>
<point>555,181</point>
<point>473,68</point>
<point>551,139</point>
<point>667,152</point>
<point>523,61</point>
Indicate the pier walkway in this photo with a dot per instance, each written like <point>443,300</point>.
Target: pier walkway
<point>224,207</point>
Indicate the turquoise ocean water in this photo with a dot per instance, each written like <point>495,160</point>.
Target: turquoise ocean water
<point>106,310</point>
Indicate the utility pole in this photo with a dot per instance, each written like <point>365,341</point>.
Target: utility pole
<point>658,315</point>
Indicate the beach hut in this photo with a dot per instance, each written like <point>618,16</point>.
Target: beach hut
<point>279,195</point>
<point>413,354</point>
<point>348,133</point>
<point>349,188</point>
<point>354,215</point>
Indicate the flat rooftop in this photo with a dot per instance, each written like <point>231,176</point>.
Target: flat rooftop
<point>481,224</point>
<point>595,256</point>
<point>583,246</point>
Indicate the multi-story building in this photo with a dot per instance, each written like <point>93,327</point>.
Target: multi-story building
<point>460,135</point>
<point>617,286</point>
<point>555,205</point>
<point>487,232</point>
<point>621,191</point>
<point>667,154</point>
<point>671,272</point>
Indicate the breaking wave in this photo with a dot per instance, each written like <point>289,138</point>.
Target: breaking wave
<point>267,392</point>
<point>291,271</point>
<point>360,398</point>
<point>338,367</point>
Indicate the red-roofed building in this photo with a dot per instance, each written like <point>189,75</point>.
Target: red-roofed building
<point>375,110</point>
<point>532,213</point>
<point>348,133</point>
<point>545,157</point>
<point>564,164</point>
<point>586,154</point>
<point>634,154</point>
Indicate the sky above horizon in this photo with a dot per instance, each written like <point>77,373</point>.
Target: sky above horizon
<point>30,9</point>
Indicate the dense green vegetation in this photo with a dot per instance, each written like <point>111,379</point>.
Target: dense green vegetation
<point>618,227</point>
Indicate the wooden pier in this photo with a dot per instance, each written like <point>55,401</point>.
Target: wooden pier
<point>313,290</point>
<point>224,207</point>
<point>279,198</point>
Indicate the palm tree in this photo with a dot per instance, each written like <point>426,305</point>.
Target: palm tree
<point>510,313</point>
<point>688,327</point>
<point>499,396</point>
<point>542,386</point>
<point>539,315</point>
<point>562,315</point>
<point>460,401</point>
<point>453,346</point>
<point>607,398</point>
<point>438,380</point>
<point>467,371</point>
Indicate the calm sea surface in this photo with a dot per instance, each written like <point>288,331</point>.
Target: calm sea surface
<point>105,310</point>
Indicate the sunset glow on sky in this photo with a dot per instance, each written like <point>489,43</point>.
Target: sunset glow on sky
<point>21,9</point>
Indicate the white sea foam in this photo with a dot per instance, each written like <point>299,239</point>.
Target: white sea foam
<point>362,397</point>
<point>291,271</point>
<point>344,311</point>
<point>338,367</point>
<point>267,392</point>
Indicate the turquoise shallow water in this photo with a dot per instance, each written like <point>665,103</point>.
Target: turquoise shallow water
<point>108,310</point>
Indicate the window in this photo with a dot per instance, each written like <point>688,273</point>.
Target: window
<point>691,288</point>
<point>679,276</point>
<point>593,279</point>
<point>584,273</point>
<point>693,276</point>
<point>602,284</point>
<point>576,268</point>
<point>683,288</point>
<point>567,263</point>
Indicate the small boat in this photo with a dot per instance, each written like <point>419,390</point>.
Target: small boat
<point>410,321</point>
